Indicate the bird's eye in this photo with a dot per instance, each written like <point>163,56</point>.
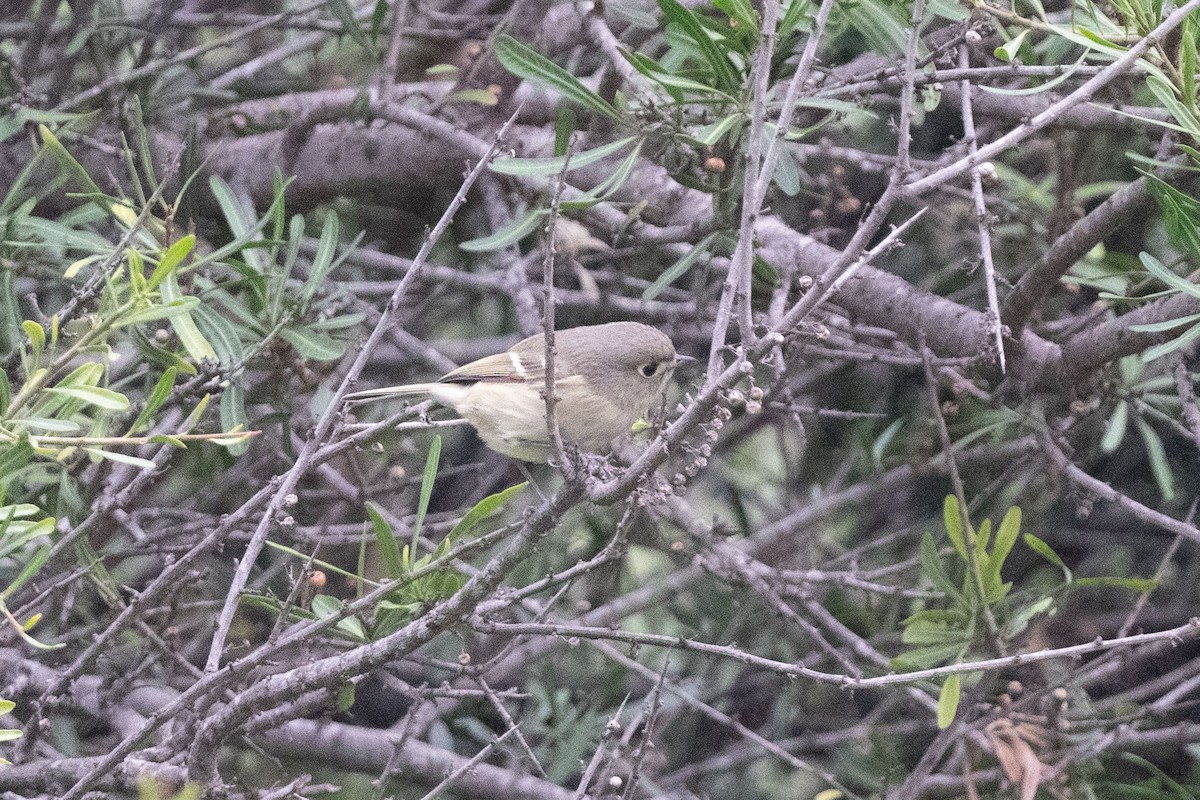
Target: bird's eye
<point>649,370</point>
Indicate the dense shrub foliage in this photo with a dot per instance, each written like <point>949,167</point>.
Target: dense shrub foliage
<point>919,521</point>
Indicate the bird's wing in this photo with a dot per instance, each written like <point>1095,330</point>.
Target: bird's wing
<point>509,366</point>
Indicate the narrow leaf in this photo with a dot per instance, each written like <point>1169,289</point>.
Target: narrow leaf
<point>484,509</point>
<point>523,62</point>
<point>121,458</point>
<point>547,167</point>
<point>511,233</point>
<point>678,269</point>
<point>385,541</point>
<point>948,698</point>
<point>427,479</point>
<point>97,396</point>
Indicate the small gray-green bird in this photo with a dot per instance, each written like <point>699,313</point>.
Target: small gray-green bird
<point>606,378</point>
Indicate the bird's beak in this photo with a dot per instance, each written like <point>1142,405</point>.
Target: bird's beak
<point>682,359</point>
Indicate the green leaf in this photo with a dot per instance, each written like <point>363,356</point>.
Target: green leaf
<point>121,458</point>
<point>344,14</point>
<point>37,342</point>
<point>880,25</point>
<point>1160,271</point>
<point>482,510</point>
<point>1008,51</point>
<point>1158,351</point>
<point>523,62</point>
<point>953,520</point>
<point>385,541</point>
<point>1159,467</point>
<point>1006,537</point>
<point>158,396</point>
<point>67,163</point>
<point>1166,325</point>
<point>31,568</point>
<point>1040,88</point>
<point>1020,620</point>
<point>1115,427</point>
<point>926,657</point>
<point>680,83</point>
<point>480,97</point>
<point>709,135</point>
<point>1045,551</point>
<point>931,568</point>
<point>1132,584</point>
<point>17,535</point>
<point>427,479</point>
<point>46,425</point>
<point>1181,212</point>
<point>651,69</point>
<point>166,438</point>
<point>725,76</point>
<point>338,323</point>
<point>323,261</point>
<point>920,631</point>
<point>171,310</point>
<point>546,167</point>
<point>1165,93</point>
<point>1187,57</point>
<point>13,458</point>
<point>345,697</point>
<point>97,396</point>
<point>564,126</point>
<point>511,233</point>
<point>225,345</point>
<point>609,185</point>
<point>679,268</point>
<point>311,344</point>
<point>197,347</point>
<point>6,706</point>
<point>233,414</point>
<point>171,259</point>
<point>948,698</point>
<point>792,17</point>
<point>787,174</point>
<point>325,606</point>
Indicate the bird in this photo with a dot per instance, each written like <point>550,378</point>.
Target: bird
<point>606,377</point>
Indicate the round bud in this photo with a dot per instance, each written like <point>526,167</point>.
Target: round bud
<point>464,658</point>
<point>847,205</point>
<point>714,164</point>
<point>318,579</point>
<point>972,37</point>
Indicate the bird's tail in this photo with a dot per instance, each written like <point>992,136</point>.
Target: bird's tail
<point>392,391</point>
